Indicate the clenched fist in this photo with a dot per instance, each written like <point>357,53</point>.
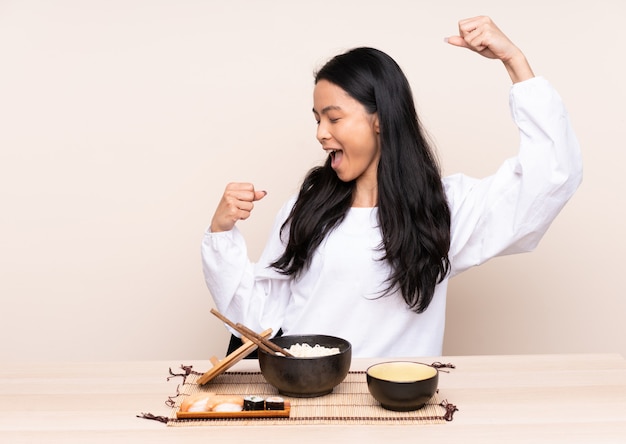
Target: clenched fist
<point>236,204</point>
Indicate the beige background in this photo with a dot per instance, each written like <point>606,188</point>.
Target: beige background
<point>122,121</point>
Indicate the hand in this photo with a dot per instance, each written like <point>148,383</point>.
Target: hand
<point>236,204</point>
<point>480,34</point>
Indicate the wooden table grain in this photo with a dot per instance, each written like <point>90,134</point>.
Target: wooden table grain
<point>513,399</point>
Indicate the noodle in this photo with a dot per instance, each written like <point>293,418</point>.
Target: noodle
<point>306,351</point>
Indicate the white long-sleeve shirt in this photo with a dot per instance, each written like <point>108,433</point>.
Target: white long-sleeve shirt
<point>338,295</point>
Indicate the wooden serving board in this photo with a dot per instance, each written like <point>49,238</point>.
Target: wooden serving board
<point>243,414</point>
<point>220,367</point>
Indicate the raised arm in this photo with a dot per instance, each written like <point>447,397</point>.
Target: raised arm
<point>510,211</point>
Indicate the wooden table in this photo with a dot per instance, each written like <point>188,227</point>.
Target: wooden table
<point>534,399</point>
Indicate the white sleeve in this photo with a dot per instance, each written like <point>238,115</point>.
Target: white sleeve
<point>253,294</point>
<point>510,211</point>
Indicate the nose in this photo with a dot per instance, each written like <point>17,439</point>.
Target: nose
<point>322,132</point>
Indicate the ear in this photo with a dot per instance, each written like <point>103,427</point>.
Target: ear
<point>376,124</point>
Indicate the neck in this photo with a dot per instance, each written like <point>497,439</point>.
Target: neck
<point>365,196</point>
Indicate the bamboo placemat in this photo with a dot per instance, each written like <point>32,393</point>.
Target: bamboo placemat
<point>349,403</point>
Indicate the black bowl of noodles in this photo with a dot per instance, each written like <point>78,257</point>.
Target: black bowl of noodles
<point>319,364</point>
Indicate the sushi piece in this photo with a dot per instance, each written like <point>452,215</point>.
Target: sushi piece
<point>210,402</point>
<point>253,402</point>
<point>275,403</point>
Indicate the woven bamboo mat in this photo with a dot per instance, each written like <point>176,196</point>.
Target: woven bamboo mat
<point>349,403</point>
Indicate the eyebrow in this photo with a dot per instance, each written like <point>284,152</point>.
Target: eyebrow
<point>327,108</point>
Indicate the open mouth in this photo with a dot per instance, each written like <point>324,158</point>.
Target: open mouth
<point>335,157</point>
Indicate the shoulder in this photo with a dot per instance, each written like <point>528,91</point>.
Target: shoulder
<point>456,187</point>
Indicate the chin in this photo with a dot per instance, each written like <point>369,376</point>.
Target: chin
<point>343,176</point>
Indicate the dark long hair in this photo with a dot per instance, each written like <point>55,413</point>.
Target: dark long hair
<point>413,213</point>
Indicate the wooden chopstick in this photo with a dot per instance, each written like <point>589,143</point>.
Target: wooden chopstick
<point>259,340</point>
<point>252,334</point>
